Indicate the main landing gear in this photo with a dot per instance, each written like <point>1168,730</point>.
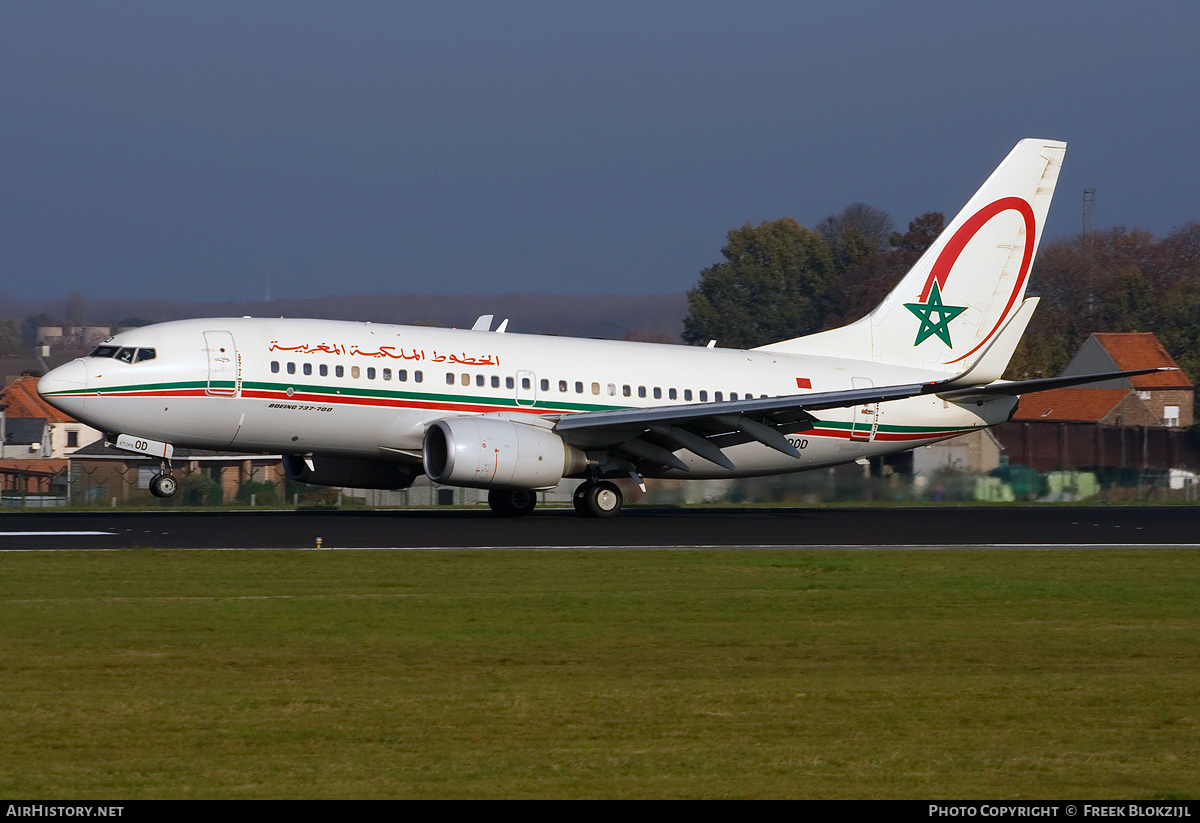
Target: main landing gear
<point>593,498</point>
<point>164,483</point>
<point>512,502</point>
<point>597,499</point>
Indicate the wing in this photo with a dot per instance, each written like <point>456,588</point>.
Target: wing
<point>655,434</point>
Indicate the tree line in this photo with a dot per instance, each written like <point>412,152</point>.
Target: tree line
<point>780,280</point>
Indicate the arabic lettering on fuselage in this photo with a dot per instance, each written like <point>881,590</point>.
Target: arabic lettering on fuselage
<point>390,352</point>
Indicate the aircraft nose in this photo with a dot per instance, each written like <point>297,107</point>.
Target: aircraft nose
<point>60,386</point>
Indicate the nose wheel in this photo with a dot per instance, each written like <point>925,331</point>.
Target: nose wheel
<point>164,483</point>
<point>599,499</point>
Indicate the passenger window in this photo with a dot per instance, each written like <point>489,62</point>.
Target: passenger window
<point>371,373</point>
<point>718,396</point>
<point>387,374</point>
<point>562,385</point>
<point>579,387</point>
<point>525,383</point>
<point>324,369</point>
<point>509,383</point>
<point>687,394</point>
<point>291,368</point>
<point>704,395</point>
<point>466,379</point>
<point>418,376</point>
<point>339,371</point>
<point>657,393</point>
<point>595,388</point>
<point>354,372</point>
<point>641,391</point>
<point>308,368</point>
<point>671,394</point>
<point>625,392</point>
<point>495,381</point>
<point>479,381</point>
<point>612,389</point>
<point>402,375</point>
<point>733,395</point>
<point>449,378</point>
<point>274,367</point>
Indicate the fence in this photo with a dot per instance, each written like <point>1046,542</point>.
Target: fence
<point>842,484</point>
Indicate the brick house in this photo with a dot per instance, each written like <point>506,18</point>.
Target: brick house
<point>34,429</point>
<point>1132,423</point>
<point>1168,397</point>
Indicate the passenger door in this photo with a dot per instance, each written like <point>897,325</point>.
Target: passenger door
<point>866,415</point>
<point>224,368</point>
<point>526,388</point>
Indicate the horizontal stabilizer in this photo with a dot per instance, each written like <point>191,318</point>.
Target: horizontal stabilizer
<point>1018,387</point>
<point>991,364</point>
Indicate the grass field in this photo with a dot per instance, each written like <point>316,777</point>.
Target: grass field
<point>930,674</point>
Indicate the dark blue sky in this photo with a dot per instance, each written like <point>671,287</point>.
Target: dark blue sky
<point>191,150</point>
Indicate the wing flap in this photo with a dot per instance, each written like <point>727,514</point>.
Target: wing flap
<point>652,435</point>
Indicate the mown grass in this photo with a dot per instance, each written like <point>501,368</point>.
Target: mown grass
<point>939,674</point>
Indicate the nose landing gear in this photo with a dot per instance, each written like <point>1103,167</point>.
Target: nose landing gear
<point>164,483</point>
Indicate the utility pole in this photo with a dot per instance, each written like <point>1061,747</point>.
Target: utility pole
<point>1089,235</point>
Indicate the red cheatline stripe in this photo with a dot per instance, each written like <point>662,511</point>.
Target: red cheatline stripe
<point>359,400</point>
<point>356,400</point>
<point>844,434</point>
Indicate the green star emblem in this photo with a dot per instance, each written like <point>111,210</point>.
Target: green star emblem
<point>926,311</point>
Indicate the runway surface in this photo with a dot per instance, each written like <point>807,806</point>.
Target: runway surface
<point>930,527</point>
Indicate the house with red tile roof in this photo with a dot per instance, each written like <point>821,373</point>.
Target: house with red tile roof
<point>1169,396</point>
<point>33,429</point>
<point>1136,422</point>
<point>1111,407</point>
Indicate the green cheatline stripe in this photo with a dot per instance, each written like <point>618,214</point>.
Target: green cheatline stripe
<point>430,397</point>
<point>884,427</point>
<point>421,396</point>
<point>191,384</point>
<point>338,392</point>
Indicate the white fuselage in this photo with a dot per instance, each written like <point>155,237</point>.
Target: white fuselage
<point>370,391</point>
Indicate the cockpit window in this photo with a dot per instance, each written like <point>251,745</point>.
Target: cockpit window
<point>125,355</point>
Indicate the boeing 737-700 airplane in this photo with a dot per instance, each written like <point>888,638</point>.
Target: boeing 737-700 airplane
<point>374,406</point>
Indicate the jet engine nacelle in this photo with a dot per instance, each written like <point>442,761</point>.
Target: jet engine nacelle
<point>488,452</point>
<point>354,473</point>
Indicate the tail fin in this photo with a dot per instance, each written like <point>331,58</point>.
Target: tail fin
<point>961,304</point>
